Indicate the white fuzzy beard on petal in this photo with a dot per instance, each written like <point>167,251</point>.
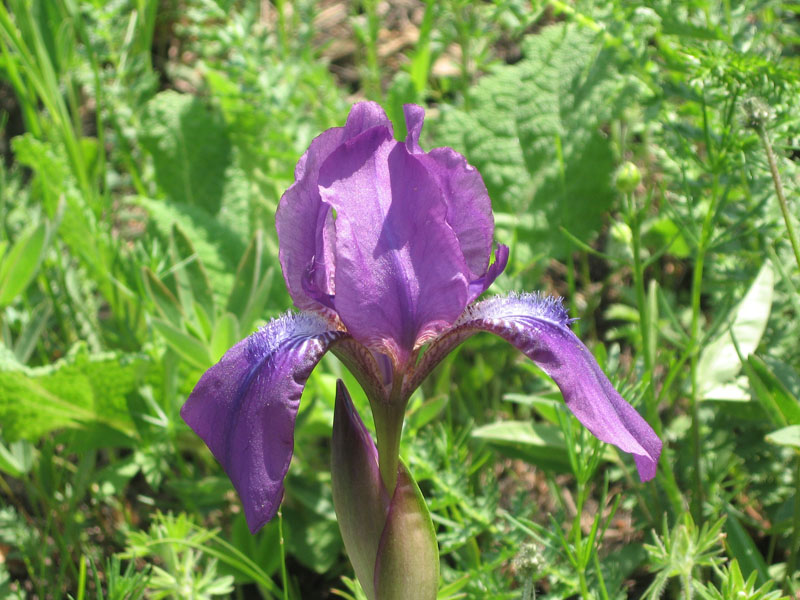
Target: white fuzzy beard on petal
<point>536,305</point>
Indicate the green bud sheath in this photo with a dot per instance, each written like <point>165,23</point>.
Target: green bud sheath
<point>408,556</point>
<point>391,542</point>
<point>359,496</point>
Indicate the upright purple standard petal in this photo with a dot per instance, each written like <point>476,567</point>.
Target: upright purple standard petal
<point>244,407</point>
<point>305,224</point>
<point>469,210</point>
<point>401,277</point>
<point>539,327</point>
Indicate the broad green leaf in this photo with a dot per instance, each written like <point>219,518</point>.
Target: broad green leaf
<point>540,444</point>
<point>546,407</point>
<point>20,263</point>
<point>76,391</point>
<point>190,148</point>
<point>536,133</point>
<point>420,414</point>
<point>719,362</point>
<point>775,391</point>
<point>787,436</point>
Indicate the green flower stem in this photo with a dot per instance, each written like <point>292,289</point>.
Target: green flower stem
<point>648,344</point>
<point>795,548</point>
<point>776,178</point>
<point>697,288</point>
<point>388,417</point>
<point>284,574</point>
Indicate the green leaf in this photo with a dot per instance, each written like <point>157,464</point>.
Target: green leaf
<point>190,148</point>
<point>252,284</point>
<point>226,334</point>
<point>540,444</point>
<point>536,133</point>
<point>192,279</point>
<point>25,344</point>
<point>787,436</point>
<point>188,347</point>
<point>741,546</point>
<point>111,480</point>
<point>775,392</point>
<point>17,459</point>
<point>216,244</point>
<point>20,263</point>
<point>77,391</point>
<point>165,301</point>
<point>719,362</point>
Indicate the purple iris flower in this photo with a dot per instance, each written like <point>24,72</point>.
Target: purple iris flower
<point>384,249</point>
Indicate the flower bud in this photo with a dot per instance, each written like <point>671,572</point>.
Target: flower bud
<point>408,556</point>
<point>627,177</point>
<point>359,496</point>
<point>391,542</point>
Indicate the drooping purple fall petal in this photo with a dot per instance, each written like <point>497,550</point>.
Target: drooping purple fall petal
<point>244,407</point>
<point>401,277</point>
<point>539,327</point>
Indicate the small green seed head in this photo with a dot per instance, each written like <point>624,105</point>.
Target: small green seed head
<point>627,177</point>
<point>757,113</point>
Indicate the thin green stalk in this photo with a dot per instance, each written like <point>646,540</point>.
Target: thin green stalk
<point>529,591</point>
<point>644,312</point>
<point>284,575</point>
<point>697,287</point>
<point>571,287</point>
<point>776,179</point>
<point>795,548</point>
<point>648,344</point>
<point>373,80</point>
<point>283,39</point>
<point>82,579</point>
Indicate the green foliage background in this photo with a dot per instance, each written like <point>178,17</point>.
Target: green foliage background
<point>633,153</point>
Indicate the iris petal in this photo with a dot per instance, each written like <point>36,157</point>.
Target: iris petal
<point>401,277</point>
<point>305,224</point>
<point>469,210</point>
<point>244,407</point>
<point>539,327</point>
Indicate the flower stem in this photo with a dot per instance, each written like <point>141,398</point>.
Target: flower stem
<point>795,546</point>
<point>776,178</point>
<point>697,287</point>
<point>284,575</point>
<point>388,417</point>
